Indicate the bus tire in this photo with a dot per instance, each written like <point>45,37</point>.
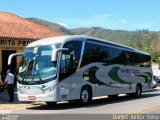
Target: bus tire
<point>51,103</point>
<point>85,95</point>
<point>138,92</point>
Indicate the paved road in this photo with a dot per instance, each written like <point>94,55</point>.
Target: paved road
<point>148,103</point>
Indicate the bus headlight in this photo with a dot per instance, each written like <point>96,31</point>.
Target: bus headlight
<point>49,89</point>
<point>19,91</point>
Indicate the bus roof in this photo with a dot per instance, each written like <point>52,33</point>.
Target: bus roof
<point>54,40</point>
<point>67,38</point>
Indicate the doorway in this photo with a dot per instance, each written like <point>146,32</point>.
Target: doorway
<point>5,55</point>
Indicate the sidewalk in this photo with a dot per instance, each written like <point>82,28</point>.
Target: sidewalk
<point>4,97</point>
<point>7,107</point>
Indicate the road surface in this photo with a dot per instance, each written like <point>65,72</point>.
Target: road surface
<point>148,103</point>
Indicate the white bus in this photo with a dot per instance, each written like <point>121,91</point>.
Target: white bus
<point>79,67</point>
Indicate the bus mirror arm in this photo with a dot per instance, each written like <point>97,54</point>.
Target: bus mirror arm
<point>13,55</point>
<point>55,52</point>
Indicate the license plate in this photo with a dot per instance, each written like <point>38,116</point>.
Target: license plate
<point>31,97</point>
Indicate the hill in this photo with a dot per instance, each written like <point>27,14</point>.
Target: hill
<point>51,26</point>
<point>148,41</point>
<point>111,35</point>
<point>118,36</point>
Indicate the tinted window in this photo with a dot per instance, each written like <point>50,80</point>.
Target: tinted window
<point>94,53</point>
<point>113,55</point>
<point>117,56</point>
<point>140,60</point>
<point>70,59</point>
<point>98,53</point>
<point>74,51</point>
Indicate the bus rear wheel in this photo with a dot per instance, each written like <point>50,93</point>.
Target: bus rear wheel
<point>138,92</point>
<point>85,96</point>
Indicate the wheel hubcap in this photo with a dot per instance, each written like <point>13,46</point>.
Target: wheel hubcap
<point>84,96</point>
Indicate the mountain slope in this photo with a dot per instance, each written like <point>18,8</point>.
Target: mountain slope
<point>51,26</point>
<point>144,39</point>
<point>111,35</point>
<point>119,36</point>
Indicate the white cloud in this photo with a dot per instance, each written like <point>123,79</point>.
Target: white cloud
<point>63,24</point>
<point>123,21</point>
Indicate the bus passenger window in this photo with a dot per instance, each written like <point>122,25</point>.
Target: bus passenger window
<point>70,59</point>
<point>65,63</point>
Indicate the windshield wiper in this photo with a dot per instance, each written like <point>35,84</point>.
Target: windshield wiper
<point>29,68</point>
<point>37,71</point>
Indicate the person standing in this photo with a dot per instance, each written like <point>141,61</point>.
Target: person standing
<point>9,81</point>
<point>1,84</point>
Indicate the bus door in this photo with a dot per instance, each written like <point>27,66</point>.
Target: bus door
<point>64,79</point>
<point>69,76</point>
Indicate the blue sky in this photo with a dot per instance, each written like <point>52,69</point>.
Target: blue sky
<point>109,14</point>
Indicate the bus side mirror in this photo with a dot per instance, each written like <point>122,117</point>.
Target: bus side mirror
<point>55,52</point>
<point>13,55</point>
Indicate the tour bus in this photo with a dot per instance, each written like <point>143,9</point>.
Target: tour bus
<point>78,67</point>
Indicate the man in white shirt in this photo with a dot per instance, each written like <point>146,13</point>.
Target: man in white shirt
<point>9,80</point>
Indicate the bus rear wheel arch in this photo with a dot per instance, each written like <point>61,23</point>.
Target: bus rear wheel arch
<point>86,95</point>
<point>138,91</point>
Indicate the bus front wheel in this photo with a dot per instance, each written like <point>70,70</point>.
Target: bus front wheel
<point>85,96</point>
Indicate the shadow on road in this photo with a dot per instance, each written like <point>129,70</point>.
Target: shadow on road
<point>95,103</point>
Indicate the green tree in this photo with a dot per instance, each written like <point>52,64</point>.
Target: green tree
<point>129,43</point>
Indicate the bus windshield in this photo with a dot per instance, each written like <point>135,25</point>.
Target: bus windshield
<point>36,66</point>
